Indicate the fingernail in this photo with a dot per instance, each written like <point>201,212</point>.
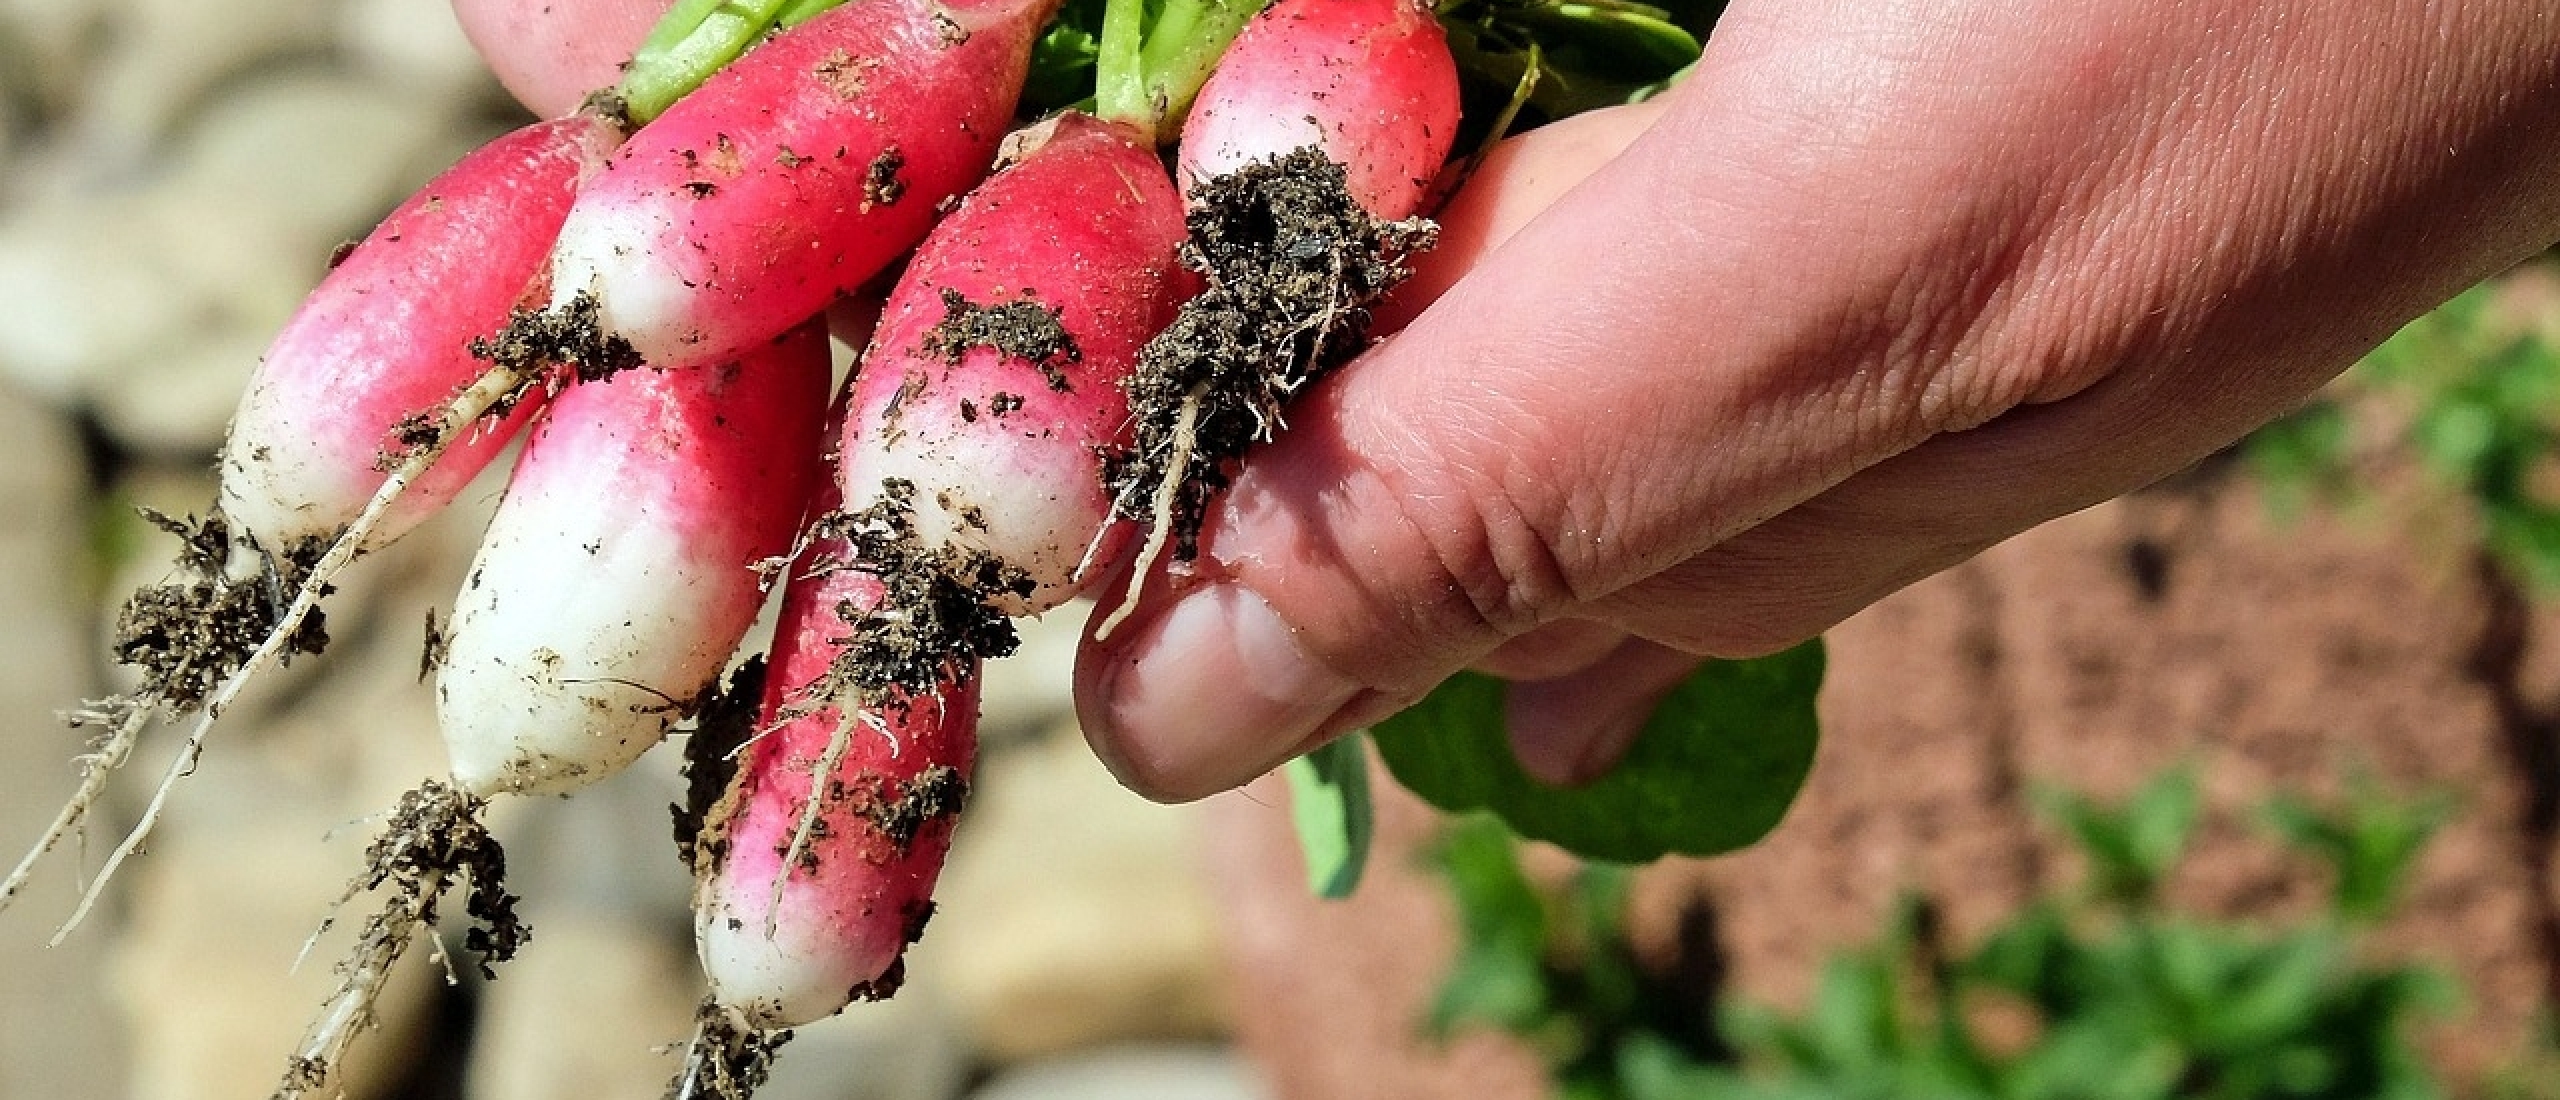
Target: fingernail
<point>1562,738</point>
<point>1202,699</point>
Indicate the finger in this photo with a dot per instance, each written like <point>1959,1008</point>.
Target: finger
<point>1559,648</point>
<point>551,53</point>
<point>1572,729</point>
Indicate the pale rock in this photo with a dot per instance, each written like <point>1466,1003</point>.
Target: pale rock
<point>58,1030</point>
<point>320,155</point>
<point>82,289</point>
<point>155,303</point>
<point>584,1010</point>
<point>417,46</point>
<point>1134,1072</point>
<point>1073,912</point>
<point>909,1047</point>
<point>182,403</point>
<point>1032,691</point>
<point>165,55</point>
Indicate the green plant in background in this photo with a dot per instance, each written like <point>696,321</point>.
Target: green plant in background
<point>2476,400</point>
<point>2102,993</point>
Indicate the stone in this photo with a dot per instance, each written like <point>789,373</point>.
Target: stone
<point>1073,912</point>
<point>1132,1072</point>
<point>1032,691</point>
<point>416,46</point>
<point>164,56</point>
<point>584,1009</point>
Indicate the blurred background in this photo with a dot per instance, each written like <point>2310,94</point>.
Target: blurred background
<point>2244,786</point>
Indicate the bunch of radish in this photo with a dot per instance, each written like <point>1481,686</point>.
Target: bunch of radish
<point>1081,344</point>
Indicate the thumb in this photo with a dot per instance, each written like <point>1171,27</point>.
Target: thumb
<point>1212,643</point>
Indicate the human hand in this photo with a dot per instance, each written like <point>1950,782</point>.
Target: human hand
<point>1879,286</point>
<point>1884,284</point>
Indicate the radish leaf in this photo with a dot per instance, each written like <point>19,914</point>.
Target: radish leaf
<point>1712,771</point>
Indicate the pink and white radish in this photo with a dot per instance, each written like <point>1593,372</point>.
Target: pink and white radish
<point>995,379</point>
<point>795,919</point>
<point>387,335</point>
<point>1323,124</point>
<point>617,576</point>
<point>795,174</point>
<point>1368,82</point>
<point>970,465</point>
<point>383,337</point>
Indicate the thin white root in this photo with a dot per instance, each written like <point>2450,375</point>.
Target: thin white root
<point>820,783</point>
<point>96,768</point>
<point>348,1012</point>
<point>1186,428</point>
<point>493,386</point>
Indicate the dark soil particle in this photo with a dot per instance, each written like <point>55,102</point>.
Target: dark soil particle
<point>1004,404</point>
<point>933,614</point>
<point>1293,265</point>
<point>728,1060</point>
<point>438,646</point>
<point>723,725</point>
<point>935,793</point>
<point>572,336</point>
<point>189,635</point>
<point>880,183</point>
<point>1020,329</point>
<point>436,832</point>
<point>949,30</point>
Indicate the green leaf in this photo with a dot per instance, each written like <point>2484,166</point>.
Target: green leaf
<point>1329,800</point>
<point>1712,771</point>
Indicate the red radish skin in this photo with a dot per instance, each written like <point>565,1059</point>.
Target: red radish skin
<point>856,896</point>
<point>616,578</point>
<point>794,174</point>
<point>385,335</point>
<point>1370,82</point>
<point>1082,223</point>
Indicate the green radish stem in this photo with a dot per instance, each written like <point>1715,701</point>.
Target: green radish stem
<point>692,41</point>
<point>1145,76</point>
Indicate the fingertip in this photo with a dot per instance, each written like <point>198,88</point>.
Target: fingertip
<point>1571,730</point>
<point>1202,693</point>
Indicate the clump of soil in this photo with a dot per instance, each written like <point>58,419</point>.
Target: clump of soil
<point>1021,329</point>
<point>934,612</point>
<point>723,725</point>
<point>727,1059</point>
<point>930,796</point>
<point>572,336</point>
<point>880,183</point>
<point>188,636</point>
<point>1293,264</point>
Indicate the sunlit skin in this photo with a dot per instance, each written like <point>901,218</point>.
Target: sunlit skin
<point>1880,285</point>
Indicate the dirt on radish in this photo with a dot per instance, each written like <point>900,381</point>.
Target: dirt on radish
<point>934,611</point>
<point>188,635</point>
<point>1293,264</point>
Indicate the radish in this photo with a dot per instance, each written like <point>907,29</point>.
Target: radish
<point>616,577</point>
<point>996,376</point>
<point>970,460</point>
<point>383,336</point>
<point>1370,83</point>
<point>794,175</point>
<point>1321,126</point>
<point>795,916</point>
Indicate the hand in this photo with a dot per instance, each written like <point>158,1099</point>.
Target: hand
<point>1882,285</point>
